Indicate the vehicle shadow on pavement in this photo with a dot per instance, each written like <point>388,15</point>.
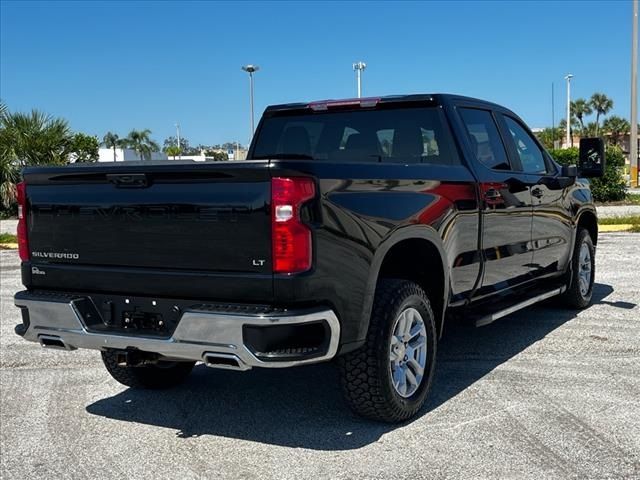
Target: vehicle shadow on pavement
<point>302,407</point>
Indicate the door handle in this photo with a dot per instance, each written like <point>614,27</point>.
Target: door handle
<point>537,192</point>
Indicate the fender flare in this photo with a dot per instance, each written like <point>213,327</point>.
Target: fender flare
<point>410,232</point>
<point>579,214</point>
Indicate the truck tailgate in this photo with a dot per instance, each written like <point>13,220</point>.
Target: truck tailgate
<point>174,217</point>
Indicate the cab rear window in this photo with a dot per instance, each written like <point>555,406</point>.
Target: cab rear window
<point>398,135</point>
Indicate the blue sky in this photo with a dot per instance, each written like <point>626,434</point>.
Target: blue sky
<point>117,66</point>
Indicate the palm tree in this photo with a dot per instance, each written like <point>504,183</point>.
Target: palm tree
<point>591,129</point>
<point>28,139</point>
<point>140,141</point>
<point>616,127</point>
<point>548,136</point>
<point>112,140</point>
<point>580,107</point>
<point>9,177</point>
<point>9,168</point>
<point>562,127</point>
<point>36,138</point>
<point>173,150</point>
<point>602,105</point>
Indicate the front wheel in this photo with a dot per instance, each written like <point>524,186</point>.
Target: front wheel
<point>388,379</point>
<point>583,272</point>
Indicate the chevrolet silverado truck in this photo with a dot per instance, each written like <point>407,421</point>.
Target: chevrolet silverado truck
<point>351,231</point>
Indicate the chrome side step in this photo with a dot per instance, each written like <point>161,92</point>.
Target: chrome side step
<point>486,320</point>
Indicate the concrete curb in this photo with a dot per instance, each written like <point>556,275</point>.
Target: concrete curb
<point>621,227</point>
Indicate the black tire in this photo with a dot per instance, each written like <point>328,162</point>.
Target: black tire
<point>366,373</point>
<point>577,297</point>
<point>163,375</point>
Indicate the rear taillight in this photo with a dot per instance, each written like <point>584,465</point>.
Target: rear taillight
<point>23,241</point>
<point>291,238</point>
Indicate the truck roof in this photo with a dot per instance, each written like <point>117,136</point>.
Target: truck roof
<point>418,98</point>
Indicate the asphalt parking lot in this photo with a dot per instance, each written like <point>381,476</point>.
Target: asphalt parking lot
<point>543,393</point>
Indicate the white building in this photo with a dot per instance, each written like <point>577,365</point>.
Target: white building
<point>194,158</point>
<point>126,155</point>
<point>129,155</point>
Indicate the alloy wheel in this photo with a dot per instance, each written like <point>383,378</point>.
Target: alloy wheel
<point>408,352</point>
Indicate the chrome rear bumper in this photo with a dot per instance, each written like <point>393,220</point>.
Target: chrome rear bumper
<point>215,338</point>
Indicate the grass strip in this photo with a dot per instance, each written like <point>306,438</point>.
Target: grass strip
<point>8,238</point>
<point>627,219</point>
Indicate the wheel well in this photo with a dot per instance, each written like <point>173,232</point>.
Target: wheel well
<point>419,261</point>
<point>588,220</point>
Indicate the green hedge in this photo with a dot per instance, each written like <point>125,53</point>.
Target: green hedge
<point>609,188</point>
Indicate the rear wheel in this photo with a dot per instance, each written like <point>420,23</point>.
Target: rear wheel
<point>583,272</point>
<point>159,376</point>
<point>389,378</point>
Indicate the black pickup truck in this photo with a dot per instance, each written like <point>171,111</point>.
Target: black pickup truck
<point>350,232</point>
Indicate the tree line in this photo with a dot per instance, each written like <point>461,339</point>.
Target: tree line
<point>613,128</point>
<point>612,186</point>
<point>141,142</point>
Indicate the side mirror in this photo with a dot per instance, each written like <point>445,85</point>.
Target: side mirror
<point>591,160</point>
<point>570,171</point>
<point>564,179</point>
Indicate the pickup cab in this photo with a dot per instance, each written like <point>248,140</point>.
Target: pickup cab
<point>352,231</point>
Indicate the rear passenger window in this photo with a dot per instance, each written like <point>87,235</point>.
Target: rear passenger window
<point>484,138</point>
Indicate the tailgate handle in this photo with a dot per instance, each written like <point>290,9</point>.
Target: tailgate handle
<point>133,180</point>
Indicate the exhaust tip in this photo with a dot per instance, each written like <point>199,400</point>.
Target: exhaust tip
<point>51,341</point>
<point>226,361</point>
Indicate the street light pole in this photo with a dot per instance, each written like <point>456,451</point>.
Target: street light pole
<point>359,67</point>
<point>568,139</point>
<point>633,150</point>
<point>251,69</point>
<point>179,147</point>
<point>553,117</point>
